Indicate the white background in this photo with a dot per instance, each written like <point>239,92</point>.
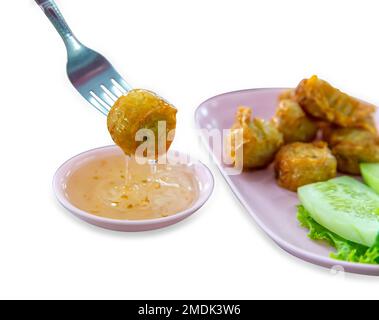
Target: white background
<point>187,51</point>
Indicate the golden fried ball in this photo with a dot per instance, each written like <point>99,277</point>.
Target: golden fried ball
<point>293,123</point>
<point>321,100</point>
<point>140,109</point>
<point>298,164</point>
<point>351,147</point>
<point>261,140</point>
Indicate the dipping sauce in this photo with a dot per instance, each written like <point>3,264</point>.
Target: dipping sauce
<point>117,187</point>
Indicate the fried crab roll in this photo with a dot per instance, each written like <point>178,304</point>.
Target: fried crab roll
<point>351,147</point>
<point>141,109</point>
<point>298,164</point>
<point>319,99</point>
<point>287,94</point>
<point>336,135</point>
<point>259,140</point>
<point>368,124</point>
<point>293,123</point>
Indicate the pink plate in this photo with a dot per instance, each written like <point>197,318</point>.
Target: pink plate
<point>201,172</point>
<point>273,208</point>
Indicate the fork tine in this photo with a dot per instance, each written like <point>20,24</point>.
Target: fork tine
<point>122,84</point>
<point>118,87</point>
<point>116,92</point>
<point>111,95</point>
<point>99,99</point>
<point>100,93</point>
<point>97,105</point>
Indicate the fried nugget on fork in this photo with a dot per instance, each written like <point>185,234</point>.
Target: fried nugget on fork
<point>140,109</point>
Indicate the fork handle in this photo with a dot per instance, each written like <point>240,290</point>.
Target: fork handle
<point>50,8</point>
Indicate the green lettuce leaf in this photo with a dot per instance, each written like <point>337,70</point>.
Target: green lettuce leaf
<point>345,249</point>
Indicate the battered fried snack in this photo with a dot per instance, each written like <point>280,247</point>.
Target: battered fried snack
<point>140,109</point>
<point>261,140</point>
<point>293,123</point>
<point>287,94</point>
<point>299,164</point>
<point>351,147</point>
<point>368,124</point>
<point>334,136</point>
<point>319,99</point>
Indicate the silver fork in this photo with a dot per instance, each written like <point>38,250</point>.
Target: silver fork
<point>89,72</point>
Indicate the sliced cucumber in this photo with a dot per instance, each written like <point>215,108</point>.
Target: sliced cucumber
<point>345,206</point>
<point>370,173</point>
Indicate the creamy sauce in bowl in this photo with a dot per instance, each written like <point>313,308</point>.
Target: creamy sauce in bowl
<point>94,186</point>
<point>115,187</point>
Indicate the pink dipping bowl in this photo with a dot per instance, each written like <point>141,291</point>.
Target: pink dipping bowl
<point>203,176</point>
